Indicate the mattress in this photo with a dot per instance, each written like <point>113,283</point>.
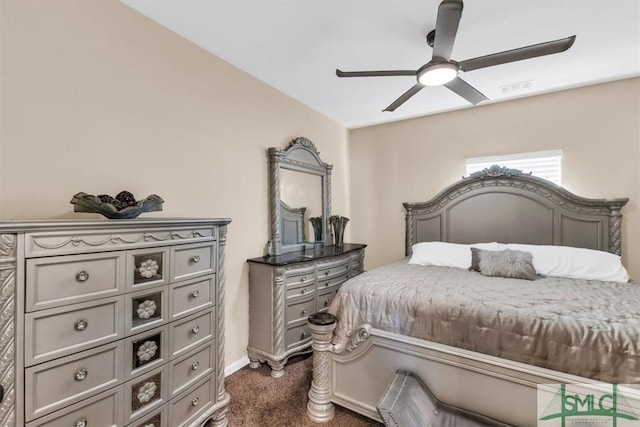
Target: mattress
<point>586,328</point>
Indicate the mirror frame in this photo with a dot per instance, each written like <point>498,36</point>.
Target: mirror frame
<point>301,155</point>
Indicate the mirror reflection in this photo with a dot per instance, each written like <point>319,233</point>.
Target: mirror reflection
<point>301,199</point>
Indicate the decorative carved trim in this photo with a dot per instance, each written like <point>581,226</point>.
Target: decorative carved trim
<point>303,142</point>
<point>278,309</point>
<point>221,277</point>
<point>79,241</point>
<point>408,235</point>
<point>296,163</point>
<point>8,245</point>
<point>497,171</point>
<point>355,338</point>
<point>615,231</point>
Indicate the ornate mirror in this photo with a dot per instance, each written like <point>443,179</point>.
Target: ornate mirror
<point>300,187</point>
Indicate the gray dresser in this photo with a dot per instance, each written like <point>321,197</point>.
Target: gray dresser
<point>284,290</point>
<point>112,323</point>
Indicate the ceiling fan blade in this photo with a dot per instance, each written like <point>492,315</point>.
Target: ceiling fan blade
<point>449,14</point>
<point>541,49</point>
<point>466,91</point>
<point>404,97</point>
<point>341,73</point>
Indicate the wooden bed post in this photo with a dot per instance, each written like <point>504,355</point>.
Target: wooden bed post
<point>320,409</point>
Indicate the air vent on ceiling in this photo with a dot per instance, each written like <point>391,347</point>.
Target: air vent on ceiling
<point>517,86</point>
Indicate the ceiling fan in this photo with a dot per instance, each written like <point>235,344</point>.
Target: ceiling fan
<point>442,70</point>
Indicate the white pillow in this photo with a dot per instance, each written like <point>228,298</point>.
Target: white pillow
<point>575,263</point>
<point>443,254</point>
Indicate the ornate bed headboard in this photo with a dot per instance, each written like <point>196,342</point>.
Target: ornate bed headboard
<point>508,206</point>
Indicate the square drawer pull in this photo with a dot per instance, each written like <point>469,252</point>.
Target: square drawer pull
<point>82,422</point>
<point>83,276</point>
<point>81,374</point>
<point>195,401</point>
<point>81,325</point>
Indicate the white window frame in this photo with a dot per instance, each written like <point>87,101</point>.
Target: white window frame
<point>543,164</point>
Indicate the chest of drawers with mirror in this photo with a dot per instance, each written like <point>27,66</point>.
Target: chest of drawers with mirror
<point>302,270</point>
<point>112,323</point>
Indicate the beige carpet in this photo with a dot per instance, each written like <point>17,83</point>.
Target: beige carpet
<point>259,400</point>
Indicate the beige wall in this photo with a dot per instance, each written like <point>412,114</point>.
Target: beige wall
<point>97,98</point>
<point>598,127</point>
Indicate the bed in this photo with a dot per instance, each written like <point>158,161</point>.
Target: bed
<point>353,364</point>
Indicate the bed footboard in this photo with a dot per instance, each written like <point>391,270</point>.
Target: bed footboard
<point>355,376</point>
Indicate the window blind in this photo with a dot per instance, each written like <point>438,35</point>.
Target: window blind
<point>543,164</point>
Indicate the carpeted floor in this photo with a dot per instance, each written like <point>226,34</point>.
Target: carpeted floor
<point>259,400</point>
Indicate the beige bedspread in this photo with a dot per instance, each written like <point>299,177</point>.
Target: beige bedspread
<point>586,328</point>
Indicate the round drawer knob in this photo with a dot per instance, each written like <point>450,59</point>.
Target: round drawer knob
<point>81,423</point>
<point>326,273</point>
<point>303,291</point>
<point>195,366</point>
<point>195,329</point>
<point>81,325</point>
<point>195,259</point>
<point>326,303</point>
<point>304,311</point>
<point>326,284</point>
<point>303,334</point>
<point>195,401</point>
<point>303,279</point>
<point>81,374</point>
<point>195,293</point>
<point>83,276</point>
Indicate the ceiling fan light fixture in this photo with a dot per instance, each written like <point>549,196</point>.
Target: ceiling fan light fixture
<point>437,74</point>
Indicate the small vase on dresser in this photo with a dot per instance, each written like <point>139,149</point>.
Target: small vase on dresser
<point>284,290</point>
<point>117,323</point>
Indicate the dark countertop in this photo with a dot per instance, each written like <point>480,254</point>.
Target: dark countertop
<point>309,255</point>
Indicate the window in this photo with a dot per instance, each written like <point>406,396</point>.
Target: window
<point>543,164</point>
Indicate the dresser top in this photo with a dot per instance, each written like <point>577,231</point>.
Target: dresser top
<point>309,255</point>
<point>82,224</point>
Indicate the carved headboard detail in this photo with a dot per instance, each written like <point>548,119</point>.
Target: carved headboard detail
<point>508,206</point>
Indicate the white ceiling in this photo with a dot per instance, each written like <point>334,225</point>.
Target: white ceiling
<point>296,45</point>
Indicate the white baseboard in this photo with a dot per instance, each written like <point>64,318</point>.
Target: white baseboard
<point>236,366</point>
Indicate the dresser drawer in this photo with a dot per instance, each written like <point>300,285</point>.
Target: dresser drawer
<point>62,280</point>
<point>146,309</point>
<point>300,291</point>
<point>300,277</point>
<point>330,283</point>
<point>334,268</point>
<point>157,418</point>
<point>190,332</point>
<point>103,410</point>
<point>184,409</point>
<point>61,331</point>
<point>299,310</point>
<point>147,268</point>
<point>53,385</point>
<point>188,297</point>
<point>146,351</point>
<point>190,368</point>
<point>145,394</point>
<point>324,300</point>
<point>297,335</point>
<point>195,260</point>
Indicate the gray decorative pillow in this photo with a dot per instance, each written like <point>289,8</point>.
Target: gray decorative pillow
<point>475,260</point>
<point>508,263</point>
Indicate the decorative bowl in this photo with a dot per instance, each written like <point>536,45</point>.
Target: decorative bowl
<point>123,206</point>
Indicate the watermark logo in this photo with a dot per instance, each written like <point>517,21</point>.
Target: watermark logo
<point>574,405</point>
